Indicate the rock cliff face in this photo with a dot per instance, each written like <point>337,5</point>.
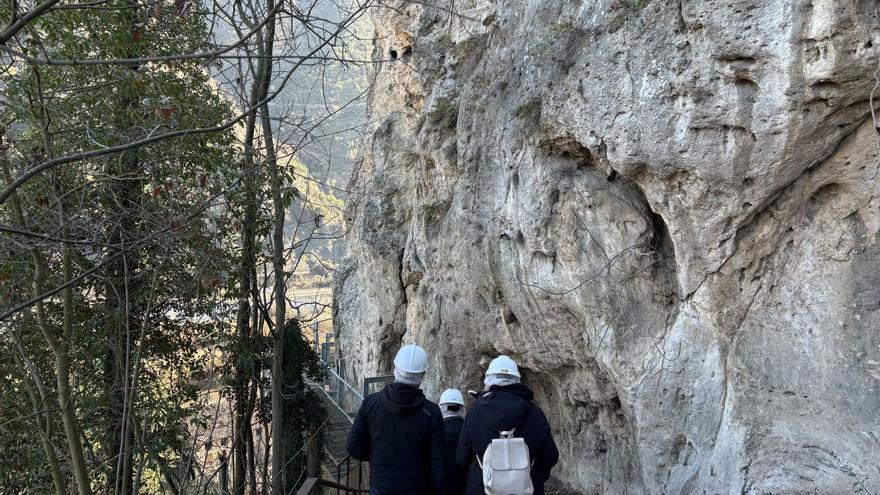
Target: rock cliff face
<point>666,210</point>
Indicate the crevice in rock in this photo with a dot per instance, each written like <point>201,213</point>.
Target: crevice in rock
<point>738,62</point>
<point>664,261</point>
<point>554,198</point>
<point>392,333</point>
<point>824,84</point>
<point>567,147</point>
<point>508,316</point>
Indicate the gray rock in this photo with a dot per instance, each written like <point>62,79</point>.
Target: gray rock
<point>666,211</point>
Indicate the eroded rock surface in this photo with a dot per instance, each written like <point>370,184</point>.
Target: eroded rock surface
<point>667,211</point>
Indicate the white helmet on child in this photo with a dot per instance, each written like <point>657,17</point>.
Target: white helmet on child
<point>451,396</point>
<point>503,365</point>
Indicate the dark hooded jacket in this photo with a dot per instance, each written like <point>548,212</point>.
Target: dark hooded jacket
<point>400,433</point>
<point>456,475</point>
<point>502,409</point>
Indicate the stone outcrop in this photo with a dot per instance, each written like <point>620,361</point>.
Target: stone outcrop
<point>666,210</point>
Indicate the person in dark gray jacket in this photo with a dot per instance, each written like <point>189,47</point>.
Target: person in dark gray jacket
<point>400,433</point>
<point>452,406</point>
<point>505,405</point>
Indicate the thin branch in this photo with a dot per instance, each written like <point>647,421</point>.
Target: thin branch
<point>23,21</point>
<point>137,61</point>
<point>21,180</point>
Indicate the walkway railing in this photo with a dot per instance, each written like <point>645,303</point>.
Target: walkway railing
<point>346,399</point>
<point>341,393</point>
<point>313,486</point>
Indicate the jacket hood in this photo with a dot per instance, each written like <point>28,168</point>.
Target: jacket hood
<point>400,399</point>
<point>453,420</point>
<point>502,408</point>
<point>517,389</point>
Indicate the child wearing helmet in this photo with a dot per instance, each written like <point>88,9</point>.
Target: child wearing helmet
<point>452,406</point>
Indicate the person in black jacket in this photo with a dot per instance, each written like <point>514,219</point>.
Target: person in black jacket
<point>505,405</point>
<point>452,406</point>
<point>400,433</point>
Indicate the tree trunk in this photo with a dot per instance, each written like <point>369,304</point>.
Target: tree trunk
<point>42,414</point>
<point>123,322</point>
<point>313,453</point>
<point>249,441</point>
<point>224,474</point>
<point>42,411</point>
<point>247,281</point>
<point>245,326</point>
<point>242,419</point>
<point>62,363</point>
<point>280,282</point>
<point>60,350</point>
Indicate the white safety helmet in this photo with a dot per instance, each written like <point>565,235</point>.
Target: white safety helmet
<point>411,359</point>
<point>503,365</point>
<point>451,396</point>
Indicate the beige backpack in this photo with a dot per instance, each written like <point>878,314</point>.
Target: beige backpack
<point>506,467</point>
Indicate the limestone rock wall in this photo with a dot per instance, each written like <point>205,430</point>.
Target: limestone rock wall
<point>666,210</point>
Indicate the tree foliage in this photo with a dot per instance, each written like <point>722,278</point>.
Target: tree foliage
<point>135,199</point>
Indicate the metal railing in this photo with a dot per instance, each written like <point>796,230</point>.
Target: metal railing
<point>347,476</point>
<point>313,486</point>
<point>346,399</point>
<point>375,383</point>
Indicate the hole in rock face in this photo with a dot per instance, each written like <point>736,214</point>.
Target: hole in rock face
<point>738,62</point>
<point>661,241</point>
<point>745,84</point>
<point>614,403</point>
<point>393,54</point>
<point>664,263</point>
<point>509,317</point>
<point>567,147</point>
<point>407,50</point>
<point>824,84</point>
